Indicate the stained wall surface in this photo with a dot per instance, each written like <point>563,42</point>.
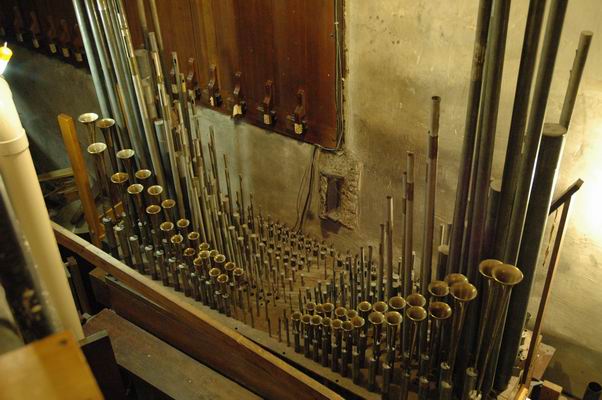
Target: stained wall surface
<point>399,54</point>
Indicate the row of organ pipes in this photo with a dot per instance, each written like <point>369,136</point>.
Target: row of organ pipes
<point>171,210</point>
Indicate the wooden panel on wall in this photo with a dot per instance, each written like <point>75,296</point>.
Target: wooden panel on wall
<point>290,43</point>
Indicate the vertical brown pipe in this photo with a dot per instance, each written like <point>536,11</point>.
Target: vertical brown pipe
<point>470,129</point>
<point>431,187</point>
<point>519,120</point>
<point>544,181</point>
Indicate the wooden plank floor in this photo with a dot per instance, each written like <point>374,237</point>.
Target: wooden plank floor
<point>169,370</point>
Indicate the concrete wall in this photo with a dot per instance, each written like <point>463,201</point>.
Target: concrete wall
<point>400,53</point>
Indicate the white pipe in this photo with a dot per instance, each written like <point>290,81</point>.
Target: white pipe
<point>25,194</point>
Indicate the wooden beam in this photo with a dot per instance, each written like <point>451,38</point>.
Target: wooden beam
<point>74,151</point>
<point>224,350</point>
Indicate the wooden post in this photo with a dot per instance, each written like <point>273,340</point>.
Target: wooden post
<point>80,173</point>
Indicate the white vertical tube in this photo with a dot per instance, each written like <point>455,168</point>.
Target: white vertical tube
<point>20,178</point>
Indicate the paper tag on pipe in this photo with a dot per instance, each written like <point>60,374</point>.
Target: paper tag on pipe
<point>79,57</point>
<point>66,52</point>
<point>236,110</point>
<point>52,48</point>
<point>36,44</point>
<point>19,37</point>
<point>267,119</point>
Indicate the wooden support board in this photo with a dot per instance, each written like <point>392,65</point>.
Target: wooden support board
<point>51,368</point>
<point>173,372</point>
<point>251,366</point>
<point>78,165</point>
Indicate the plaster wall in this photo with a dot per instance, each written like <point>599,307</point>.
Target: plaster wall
<point>399,54</point>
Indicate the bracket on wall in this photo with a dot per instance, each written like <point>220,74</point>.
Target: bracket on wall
<point>65,38</point>
<point>215,98</point>
<point>239,105</point>
<point>18,24</point>
<point>35,30</point>
<point>266,107</point>
<point>192,85</point>
<point>51,34</point>
<point>298,115</point>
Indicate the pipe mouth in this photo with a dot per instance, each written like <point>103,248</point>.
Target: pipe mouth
<point>306,319</point>
<point>176,239</point>
<point>454,278</point>
<point>376,318</point>
<point>393,318</point>
<point>351,314</point>
<point>340,312</point>
<point>326,322</point>
<point>125,154</point>
<point>214,272</point>
<point>397,303</point>
<point>166,226</point>
<point>463,291</point>
<point>316,320</point>
<point>438,288</point>
<point>136,188</point>
<point>336,324</point>
<point>204,246</point>
<point>119,178</point>
<point>168,203</point>
<point>416,300</point>
<point>197,262</point>
<point>155,190</point>
<point>105,123</point>
<point>357,321</point>
<point>194,236</point>
<point>96,148</point>
<point>220,258</point>
<point>213,253</point>
<point>440,310</point>
<point>328,307</point>
<point>223,278</point>
<point>296,316</point>
<point>238,272</point>
<point>88,118</point>
<point>153,209</point>
<point>347,326</point>
<point>183,223</point>
<point>364,306</point>
<point>310,306</point>
<point>416,313</point>
<point>143,174</point>
<point>189,252</point>
<point>380,306</point>
<point>486,267</point>
<point>204,254</point>
<point>507,275</point>
<point>229,266</point>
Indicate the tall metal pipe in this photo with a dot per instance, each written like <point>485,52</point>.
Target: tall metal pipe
<point>470,129</point>
<point>409,225</point>
<point>108,73</point>
<point>431,187</point>
<point>487,133</point>
<point>544,182</point>
<point>518,122</point>
<point>585,40</point>
<point>389,250</point>
<point>97,78</point>
<point>534,128</point>
<point>114,45</point>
